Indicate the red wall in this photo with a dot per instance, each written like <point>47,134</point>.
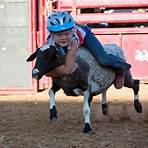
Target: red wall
<point>130,39</point>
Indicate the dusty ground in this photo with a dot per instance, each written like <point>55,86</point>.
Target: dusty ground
<point>24,122</point>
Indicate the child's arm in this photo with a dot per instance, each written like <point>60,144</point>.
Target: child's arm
<point>70,66</point>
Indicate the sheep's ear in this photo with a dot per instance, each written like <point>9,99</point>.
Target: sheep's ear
<point>32,56</point>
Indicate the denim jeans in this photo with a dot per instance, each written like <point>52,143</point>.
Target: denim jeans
<point>116,63</point>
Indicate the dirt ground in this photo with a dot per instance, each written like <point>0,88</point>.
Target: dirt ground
<point>24,121</point>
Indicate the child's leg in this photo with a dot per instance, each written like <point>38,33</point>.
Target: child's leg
<point>114,62</point>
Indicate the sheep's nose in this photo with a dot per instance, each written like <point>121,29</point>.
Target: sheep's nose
<point>35,73</point>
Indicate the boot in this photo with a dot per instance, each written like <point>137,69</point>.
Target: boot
<point>119,80</point>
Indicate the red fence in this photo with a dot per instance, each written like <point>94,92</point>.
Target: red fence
<point>126,13</point>
<point>132,39</point>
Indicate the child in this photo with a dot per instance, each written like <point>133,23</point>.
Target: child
<point>66,34</point>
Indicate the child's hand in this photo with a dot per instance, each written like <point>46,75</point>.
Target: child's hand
<point>74,68</point>
<point>74,44</point>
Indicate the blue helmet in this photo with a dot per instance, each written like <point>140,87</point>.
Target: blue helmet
<point>59,21</point>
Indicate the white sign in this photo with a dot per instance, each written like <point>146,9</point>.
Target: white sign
<point>141,55</point>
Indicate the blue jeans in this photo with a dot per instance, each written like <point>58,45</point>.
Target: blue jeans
<point>108,60</point>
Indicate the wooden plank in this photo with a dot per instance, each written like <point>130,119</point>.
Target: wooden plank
<point>111,3</point>
<point>102,3</point>
<point>107,31</point>
<point>112,18</point>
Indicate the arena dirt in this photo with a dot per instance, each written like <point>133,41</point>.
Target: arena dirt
<point>24,121</point>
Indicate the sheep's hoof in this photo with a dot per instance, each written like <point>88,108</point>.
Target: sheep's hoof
<point>53,115</point>
<point>105,109</point>
<point>87,128</point>
<point>138,106</point>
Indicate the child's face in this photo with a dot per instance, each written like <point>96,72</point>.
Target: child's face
<point>63,38</point>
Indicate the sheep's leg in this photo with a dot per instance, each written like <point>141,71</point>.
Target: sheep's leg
<point>134,84</point>
<point>137,104</point>
<point>53,111</point>
<point>86,111</point>
<point>104,103</point>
